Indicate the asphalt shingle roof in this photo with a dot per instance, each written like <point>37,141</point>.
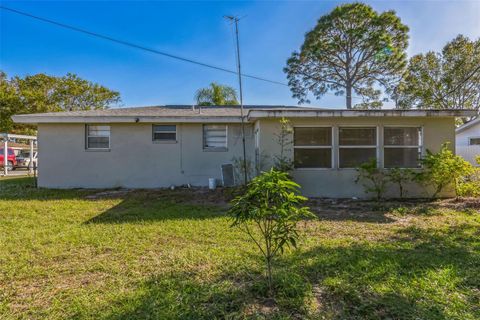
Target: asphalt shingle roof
<point>167,111</point>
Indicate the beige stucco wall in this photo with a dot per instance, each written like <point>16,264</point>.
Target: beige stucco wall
<point>134,160</point>
<point>339,183</point>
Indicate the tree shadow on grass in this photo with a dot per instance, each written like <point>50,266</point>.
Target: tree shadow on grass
<point>180,296</point>
<point>22,189</point>
<point>228,296</point>
<point>419,274</point>
<point>156,206</point>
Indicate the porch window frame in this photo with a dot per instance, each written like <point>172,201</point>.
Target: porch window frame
<point>331,147</point>
<point>420,146</point>
<point>377,145</point>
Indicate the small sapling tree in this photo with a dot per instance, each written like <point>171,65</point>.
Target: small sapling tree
<point>400,177</point>
<point>373,178</point>
<point>268,212</point>
<point>283,161</point>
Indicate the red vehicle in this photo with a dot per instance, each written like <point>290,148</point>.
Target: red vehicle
<point>11,159</point>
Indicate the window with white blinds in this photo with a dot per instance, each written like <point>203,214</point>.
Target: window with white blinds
<point>97,136</point>
<point>161,132</point>
<point>215,137</point>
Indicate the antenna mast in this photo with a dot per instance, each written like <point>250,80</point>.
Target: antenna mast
<point>239,72</point>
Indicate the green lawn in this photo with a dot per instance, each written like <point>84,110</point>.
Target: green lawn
<point>172,255</point>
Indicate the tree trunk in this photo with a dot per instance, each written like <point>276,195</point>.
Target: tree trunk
<point>269,277</point>
<point>349,96</point>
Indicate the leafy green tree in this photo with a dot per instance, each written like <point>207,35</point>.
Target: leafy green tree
<point>43,93</point>
<point>268,212</point>
<point>443,169</point>
<point>444,80</point>
<point>216,95</point>
<point>352,50</point>
<point>9,104</point>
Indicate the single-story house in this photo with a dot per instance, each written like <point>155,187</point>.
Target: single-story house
<point>467,141</point>
<point>152,147</point>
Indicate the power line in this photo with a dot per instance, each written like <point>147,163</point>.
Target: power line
<point>443,96</point>
<point>464,80</point>
<point>140,47</point>
<point>136,46</point>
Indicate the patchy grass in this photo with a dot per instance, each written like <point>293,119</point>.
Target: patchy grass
<point>172,255</point>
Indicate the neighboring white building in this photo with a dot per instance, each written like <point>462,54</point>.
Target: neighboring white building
<point>467,140</point>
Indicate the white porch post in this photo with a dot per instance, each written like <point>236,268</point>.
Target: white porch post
<point>30,164</point>
<point>5,155</point>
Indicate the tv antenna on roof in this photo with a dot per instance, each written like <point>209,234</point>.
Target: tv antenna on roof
<point>235,19</point>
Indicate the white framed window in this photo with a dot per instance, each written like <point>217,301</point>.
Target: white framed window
<point>474,141</point>
<point>402,147</point>
<point>164,132</point>
<point>356,145</point>
<point>312,147</point>
<point>215,137</point>
<point>97,137</point>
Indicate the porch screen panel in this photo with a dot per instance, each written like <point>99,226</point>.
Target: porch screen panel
<point>312,147</point>
<point>402,147</point>
<point>357,145</point>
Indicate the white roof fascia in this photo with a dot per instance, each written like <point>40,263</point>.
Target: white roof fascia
<point>255,114</point>
<point>28,119</point>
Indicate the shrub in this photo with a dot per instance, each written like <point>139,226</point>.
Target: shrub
<point>400,177</point>
<point>469,186</point>
<point>268,212</point>
<point>443,169</point>
<point>373,178</point>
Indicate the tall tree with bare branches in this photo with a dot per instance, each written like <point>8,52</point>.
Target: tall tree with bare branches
<point>353,50</point>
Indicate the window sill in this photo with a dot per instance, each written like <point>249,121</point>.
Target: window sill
<point>215,149</point>
<point>164,142</point>
<point>97,150</point>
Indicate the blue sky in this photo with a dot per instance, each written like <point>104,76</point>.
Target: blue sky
<point>269,32</point>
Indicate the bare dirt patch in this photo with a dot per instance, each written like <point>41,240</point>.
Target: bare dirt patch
<point>324,208</point>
